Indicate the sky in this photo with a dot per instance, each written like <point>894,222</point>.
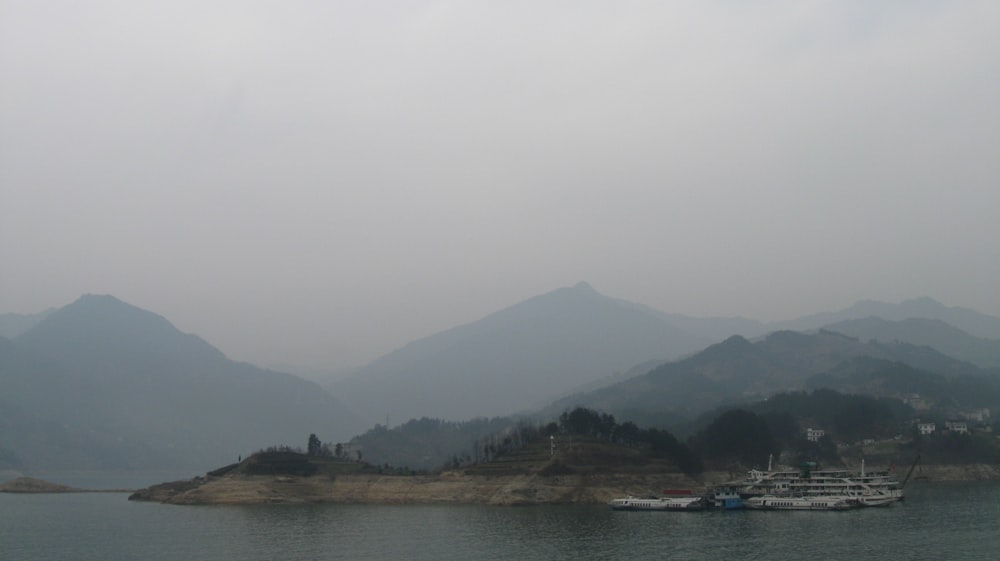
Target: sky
<point>316,183</point>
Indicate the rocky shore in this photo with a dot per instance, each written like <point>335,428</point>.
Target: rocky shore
<point>446,488</point>
<point>457,487</point>
<point>969,472</point>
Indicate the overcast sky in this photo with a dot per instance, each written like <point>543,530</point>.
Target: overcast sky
<point>319,182</point>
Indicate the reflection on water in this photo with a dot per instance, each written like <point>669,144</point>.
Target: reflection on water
<point>937,521</point>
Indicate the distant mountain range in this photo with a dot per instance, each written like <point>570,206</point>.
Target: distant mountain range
<point>969,321</point>
<point>935,333</point>
<point>12,325</point>
<point>575,340</point>
<point>738,371</point>
<point>100,384</point>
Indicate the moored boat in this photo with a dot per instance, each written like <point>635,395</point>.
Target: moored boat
<point>867,488</point>
<point>659,503</point>
<point>726,498</point>
<point>788,502</point>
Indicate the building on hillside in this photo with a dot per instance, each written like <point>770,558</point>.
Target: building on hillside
<point>926,428</point>
<point>813,435</point>
<point>980,415</point>
<point>915,401</point>
<point>957,427</point>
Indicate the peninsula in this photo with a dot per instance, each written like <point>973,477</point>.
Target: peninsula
<point>32,485</point>
<point>584,474</point>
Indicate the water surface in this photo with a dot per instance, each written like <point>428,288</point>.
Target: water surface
<point>937,521</point>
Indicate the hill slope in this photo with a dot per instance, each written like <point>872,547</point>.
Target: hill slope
<point>933,333</point>
<point>737,370</point>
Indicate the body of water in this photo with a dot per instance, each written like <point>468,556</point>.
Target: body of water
<point>938,521</point>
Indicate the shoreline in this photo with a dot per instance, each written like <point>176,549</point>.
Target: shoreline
<point>445,488</point>
<point>457,487</point>
<point>31,485</point>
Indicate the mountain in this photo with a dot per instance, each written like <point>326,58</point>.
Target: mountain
<point>929,332</point>
<point>516,358</point>
<point>969,321</point>
<point>12,325</point>
<point>738,370</point>
<point>101,384</point>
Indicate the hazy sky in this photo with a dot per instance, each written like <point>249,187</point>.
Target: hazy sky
<point>319,182</point>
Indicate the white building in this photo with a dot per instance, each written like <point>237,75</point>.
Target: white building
<point>959,427</point>
<point>926,428</point>
<point>813,435</point>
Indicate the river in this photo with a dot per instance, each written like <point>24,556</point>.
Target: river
<point>938,521</point>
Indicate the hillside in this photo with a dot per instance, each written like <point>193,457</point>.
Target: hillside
<point>514,359</point>
<point>100,384</point>
<point>583,471</point>
<point>738,370</point>
<point>946,394</point>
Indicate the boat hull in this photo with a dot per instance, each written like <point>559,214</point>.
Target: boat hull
<point>670,503</point>
<point>773,502</point>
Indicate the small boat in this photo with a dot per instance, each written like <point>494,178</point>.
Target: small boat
<point>726,498</point>
<point>809,502</point>
<point>659,503</point>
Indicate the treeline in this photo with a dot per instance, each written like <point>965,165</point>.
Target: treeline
<point>726,439</point>
<point>659,443</point>
<point>426,444</point>
<point>316,447</point>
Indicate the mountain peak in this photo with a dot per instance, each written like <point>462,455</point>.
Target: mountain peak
<point>513,359</point>
<point>735,345</point>
<point>95,324</point>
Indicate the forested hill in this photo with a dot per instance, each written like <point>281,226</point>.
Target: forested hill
<point>737,371</point>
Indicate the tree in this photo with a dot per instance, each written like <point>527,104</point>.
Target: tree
<point>628,433</point>
<point>315,446</point>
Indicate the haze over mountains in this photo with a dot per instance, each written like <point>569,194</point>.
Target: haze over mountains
<point>515,359</point>
<point>557,343</point>
<point>738,370</point>
<point>934,333</point>
<point>100,384</point>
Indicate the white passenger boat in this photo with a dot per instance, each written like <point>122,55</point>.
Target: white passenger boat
<point>789,502</point>
<point>659,503</point>
<point>867,488</point>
